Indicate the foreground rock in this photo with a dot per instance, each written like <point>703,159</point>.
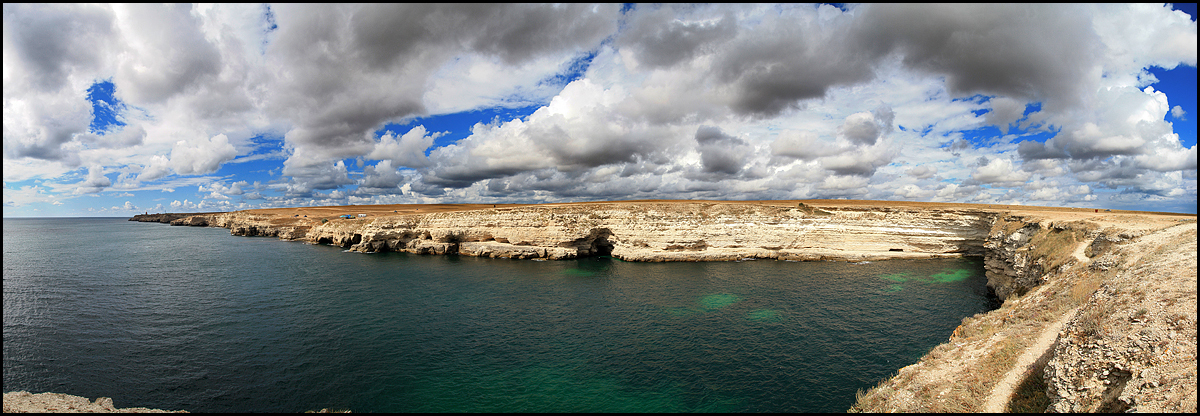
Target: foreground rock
<point>26,402</point>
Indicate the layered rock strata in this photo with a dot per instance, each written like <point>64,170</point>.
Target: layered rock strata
<point>642,232</point>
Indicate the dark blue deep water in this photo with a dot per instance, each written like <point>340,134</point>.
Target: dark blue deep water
<point>195,319</point>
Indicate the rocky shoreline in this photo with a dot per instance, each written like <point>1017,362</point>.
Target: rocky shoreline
<point>1112,293</point>
<point>26,402</point>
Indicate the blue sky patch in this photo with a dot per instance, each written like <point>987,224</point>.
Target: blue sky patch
<point>106,108</point>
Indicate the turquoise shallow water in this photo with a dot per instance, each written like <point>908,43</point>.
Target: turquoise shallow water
<point>195,319</point>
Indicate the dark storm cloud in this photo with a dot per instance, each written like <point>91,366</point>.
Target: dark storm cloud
<point>1031,150</point>
<point>720,152</point>
<point>852,166</point>
<point>661,40</point>
<point>1005,112</point>
<point>387,33</point>
<point>343,130</point>
<point>787,59</point>
<point>419,186</point>
<point>1031,51</point>
<point>573,147</point>
<point>462,177</point>
<point>1111,173</point>
<point>518,32</point>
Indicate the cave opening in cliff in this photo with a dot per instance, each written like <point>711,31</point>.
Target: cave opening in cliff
<point>600,244</point>
<point>993,300</point>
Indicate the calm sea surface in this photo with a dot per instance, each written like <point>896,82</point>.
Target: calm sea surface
<point>195,319</point>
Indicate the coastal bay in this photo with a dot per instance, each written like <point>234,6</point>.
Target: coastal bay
<point>193,319</point>
<point>1047,264</point>
<point>1081,274</point>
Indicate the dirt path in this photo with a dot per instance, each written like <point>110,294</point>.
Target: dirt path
<point>997,402</point>
<point>1079,250</point>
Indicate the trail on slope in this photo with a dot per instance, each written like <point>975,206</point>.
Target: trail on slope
<point>997,401</point>
<point>1079,250</point>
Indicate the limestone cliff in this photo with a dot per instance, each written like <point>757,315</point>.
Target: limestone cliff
<point>644,232</point>
<point>1023,252</point>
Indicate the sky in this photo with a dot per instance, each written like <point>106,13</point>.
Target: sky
<point>119,109</point>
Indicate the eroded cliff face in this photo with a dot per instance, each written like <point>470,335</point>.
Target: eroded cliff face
<point>646,232</point>
<point>1010,268</point>
<point>1022,253</point>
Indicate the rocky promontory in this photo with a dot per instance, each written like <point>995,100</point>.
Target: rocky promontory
<point>168,217</point>
<point>1098,313</point>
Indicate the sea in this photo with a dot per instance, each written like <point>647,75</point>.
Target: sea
<point>190,318</point>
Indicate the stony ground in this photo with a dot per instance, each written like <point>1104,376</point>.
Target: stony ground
<point>1121,318</point>
<point>1132,347</point>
